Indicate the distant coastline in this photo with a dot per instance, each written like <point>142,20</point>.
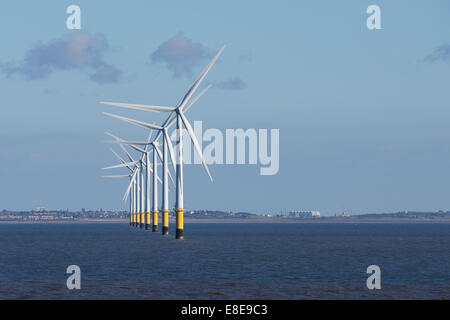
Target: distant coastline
<point>277,220</point>
<point>217,216</point>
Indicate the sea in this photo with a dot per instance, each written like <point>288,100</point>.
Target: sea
<point>226,261</point>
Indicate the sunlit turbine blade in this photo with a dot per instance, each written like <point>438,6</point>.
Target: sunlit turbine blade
<point>195,142</point>
<point>162,159</point>
<point>170,119</point>
<point>120,158</point>
<point>117,176</point>
<point>121,165</point>
<point>137,149</point>
<point>133,121</point>
<point>113,136</point>
<point>140,106</point>
<point>170,147</point>
<point>127,153</point>
<point>170,176</point>
<point>117,156</point>
<point>186,108</point>
<point>151,171</point>
<point>138,143</point>
<point>173,117</point>
<point>121,146</point>
<point>158,151</point>
<point>158,179</point>
<point>200,79</point>
<point>133,177</point>
<point>149,138</point>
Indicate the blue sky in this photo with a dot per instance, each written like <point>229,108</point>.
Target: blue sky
<point>363,114</point>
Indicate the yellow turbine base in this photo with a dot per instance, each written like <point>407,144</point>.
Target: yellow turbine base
<point>179,232</point>
<point>155,218</point>
<point>165,214</point>
<point>180,217</point>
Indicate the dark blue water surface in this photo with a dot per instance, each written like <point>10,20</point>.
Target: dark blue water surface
<point>226,261</point>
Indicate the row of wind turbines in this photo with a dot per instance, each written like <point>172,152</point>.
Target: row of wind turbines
<point>142,189</point>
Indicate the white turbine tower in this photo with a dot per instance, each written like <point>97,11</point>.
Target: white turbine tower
<point>181,120</point>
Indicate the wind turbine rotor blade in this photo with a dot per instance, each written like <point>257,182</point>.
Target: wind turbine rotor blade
<point>158,151</point>
<point>121,146</point>
<point>170,119</point>
<point>151,171</point>
<point>137,149</point>
<point>170,147</point>
<point>133,177</point>
<point>117,176</point>
<point>138,143</point>
<point>140,107</point>
<point>121,160</point>
<point>126,152</point>
<point>162,159</point>
<point>117,156</point>
<point>200,79</point>
<point>158,179</point>
<point>186,108</point>
<point>121,165</point>
<point>133,121</point>
<point>148,139</point>
<point>195,142</point>
<point>170,176</point>
<point>113,136</point>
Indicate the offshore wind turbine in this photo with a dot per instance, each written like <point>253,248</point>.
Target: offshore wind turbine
<point>179,230</point>
<point>177,114</point>
<point>136,182</point>
<point>167,146</point>
<point>145,161</point>
<point>132,197</point>
<point>134,190</point>
<point>135,198</point>
<point>166,174</point>
<point>156,179</point>
<point>181,120</point>
<point>136,186</point>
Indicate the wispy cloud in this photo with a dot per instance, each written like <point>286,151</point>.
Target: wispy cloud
<point>76,50</point>
<point>106,74</point>
<point>235,83</point>
<point>180,54</point>
<point>440,53</point>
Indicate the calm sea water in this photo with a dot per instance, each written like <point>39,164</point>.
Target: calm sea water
<point>226,261</point>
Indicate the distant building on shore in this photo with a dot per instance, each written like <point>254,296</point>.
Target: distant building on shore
<point>346,214</point>
<point>304,214</point>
